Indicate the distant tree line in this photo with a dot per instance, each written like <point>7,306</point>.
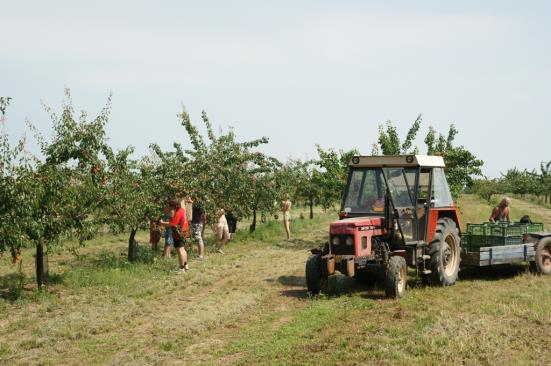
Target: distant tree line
<point>525,182</point>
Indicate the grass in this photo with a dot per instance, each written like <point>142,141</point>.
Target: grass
<point>250,307</point>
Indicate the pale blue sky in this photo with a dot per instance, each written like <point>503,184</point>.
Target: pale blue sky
<point>300,72</point>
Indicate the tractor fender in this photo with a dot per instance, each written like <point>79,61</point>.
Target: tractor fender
<point>540,235</point>
<point>320,250</point>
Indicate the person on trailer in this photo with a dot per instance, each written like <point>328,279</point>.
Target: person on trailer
<point>501,212</point>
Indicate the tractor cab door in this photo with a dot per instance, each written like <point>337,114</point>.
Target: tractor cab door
<point>401,184</point>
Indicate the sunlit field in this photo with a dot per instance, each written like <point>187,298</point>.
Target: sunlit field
<point>250,306</point>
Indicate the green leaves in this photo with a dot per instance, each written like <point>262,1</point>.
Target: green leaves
<point>461,165</point>
<point>225,173</point>
<point>58,197</point>
<point>4,103</point>
<point>389,140</point>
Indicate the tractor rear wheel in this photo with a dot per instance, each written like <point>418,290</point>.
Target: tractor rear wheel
<point>396,277</point>
<point>314,277</point>
<point>445,253</point>
<point>543,256</point>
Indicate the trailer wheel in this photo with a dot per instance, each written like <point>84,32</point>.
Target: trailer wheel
<point>314,277</point>
<point>396,277</point>
<point>445,253</point>
<point>543,256</point>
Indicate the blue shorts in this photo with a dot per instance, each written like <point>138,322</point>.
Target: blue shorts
<point>168,237</point>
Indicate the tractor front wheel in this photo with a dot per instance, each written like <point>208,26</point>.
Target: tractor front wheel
<point>314,277</point>
<point>543,256</point>
<point>396,277</point>
<point>445,253</point>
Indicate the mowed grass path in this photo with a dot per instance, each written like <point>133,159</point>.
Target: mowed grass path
<point>250,306</point>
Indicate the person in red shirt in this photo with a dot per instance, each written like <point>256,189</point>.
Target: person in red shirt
<point>179,224</point>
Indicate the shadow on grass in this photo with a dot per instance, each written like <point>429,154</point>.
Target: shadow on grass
<point>299,244</point>
<point>109,259</point>
<point>12,286</point>
<point>492,273</point>
<point>374,289</point>
<point>337,285</point>
<point>292,281</point>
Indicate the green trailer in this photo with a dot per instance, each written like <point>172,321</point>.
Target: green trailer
<point>489,244</point>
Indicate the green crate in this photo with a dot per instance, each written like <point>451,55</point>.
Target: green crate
<point>507,230</point>
<point>506,240</point>
<point>534,228</point>
<point>479,240</point>
<point>478,229</point>
<point>496,234</point>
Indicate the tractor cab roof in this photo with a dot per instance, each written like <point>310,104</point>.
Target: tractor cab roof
<point>397,161</point>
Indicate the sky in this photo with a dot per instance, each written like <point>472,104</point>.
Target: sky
<point>299,72</point>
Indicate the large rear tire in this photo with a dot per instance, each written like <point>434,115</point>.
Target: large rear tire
<point>314,276</point>
<point>445,253</point>
<point>396,277</point>
<point>543,256</point>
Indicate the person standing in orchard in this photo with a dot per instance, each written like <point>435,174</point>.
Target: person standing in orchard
<point>169,241</point>
<point>287,215</point>
<point>501,212</point>
<point>221,230</point>
<point>154,235</point>
<point>179,225</point>
<point>197,230</point>
<point>232,221</point>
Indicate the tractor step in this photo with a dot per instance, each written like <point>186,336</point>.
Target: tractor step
<point>427,271</point>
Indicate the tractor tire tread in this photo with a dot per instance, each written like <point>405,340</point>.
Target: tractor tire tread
<point>444,227</point>
<point>392,288</point>
<point>313,274</point>
<point>538,247</point>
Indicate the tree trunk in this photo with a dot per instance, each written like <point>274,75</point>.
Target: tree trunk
<point>311,203</point>
<point>41,265</point>
<point>132,249</point>
<point>252,228</point>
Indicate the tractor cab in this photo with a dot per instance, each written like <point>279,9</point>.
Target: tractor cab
<point>396,211</point>
<point>409,192</point>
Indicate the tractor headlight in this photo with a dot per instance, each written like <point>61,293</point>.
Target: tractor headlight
<point>335,240</point>
<point>349,241</point>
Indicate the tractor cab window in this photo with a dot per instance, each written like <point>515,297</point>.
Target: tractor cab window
<point>411,176</point>
<point>423,186</point>
<point>402,192</point>
<point>399,187</point>
<point>423,192</point>
<point>441,191</point>
<point>365,192</point>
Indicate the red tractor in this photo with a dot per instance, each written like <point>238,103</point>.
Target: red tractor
<point>397,212</point>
